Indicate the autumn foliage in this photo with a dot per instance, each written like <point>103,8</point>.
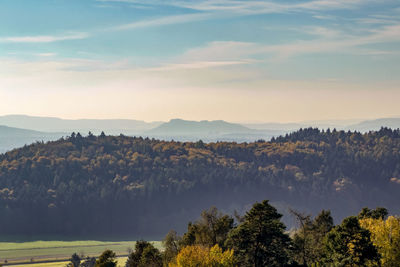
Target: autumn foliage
<point>385,235</point>
<point>200,256</point>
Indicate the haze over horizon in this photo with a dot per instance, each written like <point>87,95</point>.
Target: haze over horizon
<point>266,61</point>
<point>248,121</point>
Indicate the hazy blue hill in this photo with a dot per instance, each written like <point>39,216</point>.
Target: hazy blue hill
<point>6,131</point>
<point>374,125</point>
<point>11,138</point>
<point>52,124</point>
<point>184,127</point>
<point>210,131</point>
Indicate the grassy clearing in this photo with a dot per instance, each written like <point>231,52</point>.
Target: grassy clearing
<point>49,264</point>
<point>48,244</point>
<point>121,263</point>
<point>59,250</point>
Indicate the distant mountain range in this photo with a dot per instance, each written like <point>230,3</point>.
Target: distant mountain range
<point>50,124</point>
<point>18,130</point>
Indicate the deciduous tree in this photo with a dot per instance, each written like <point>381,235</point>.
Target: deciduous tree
<point>200,256</point>
<point>385,235</point>
<point>212,228</point>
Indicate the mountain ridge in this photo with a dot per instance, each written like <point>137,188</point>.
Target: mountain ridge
<point>52,128</point>
<point>133,126</point>
<point>55,124</point>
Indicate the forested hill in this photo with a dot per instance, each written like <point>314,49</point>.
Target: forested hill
<point>109,186</point>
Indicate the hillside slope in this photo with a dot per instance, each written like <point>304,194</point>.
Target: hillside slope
<point>107,186</point>
<point>11,138</point>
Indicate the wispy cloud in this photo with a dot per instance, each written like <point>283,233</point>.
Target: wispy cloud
<point>254,6</point>
<point>104,6</point>
<point>272,6</point>
<point>197,65</point>
<point>221,51</point>
<point>342,43</point>
<point>166,20</point>
<point>324,17</point>
<point>46,54</point>
<point>375,21</point>
<point>322,32</point>
<point>43,38</point>
<point>331,4</point>
<point>328,41</point>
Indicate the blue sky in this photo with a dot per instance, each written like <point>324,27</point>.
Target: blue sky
<point>288,60</point>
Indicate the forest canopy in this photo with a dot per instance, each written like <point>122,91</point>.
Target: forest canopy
<point>119,185</point>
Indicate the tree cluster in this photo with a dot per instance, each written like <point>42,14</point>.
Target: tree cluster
<point>259,239</point>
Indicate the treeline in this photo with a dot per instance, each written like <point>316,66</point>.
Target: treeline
<point>259,239</point>
<point>114,186</point>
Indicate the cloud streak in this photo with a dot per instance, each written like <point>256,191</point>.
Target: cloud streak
<point>328,41</point>
<point>197,65</point>
<point>167,20</point>
<point>207,10</point>
<point>43,38</point>
<point>217,9</point>
<point>254,6</point>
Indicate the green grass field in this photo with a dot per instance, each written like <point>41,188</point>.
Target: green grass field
<point>121,263</point>
<point>28,252</point>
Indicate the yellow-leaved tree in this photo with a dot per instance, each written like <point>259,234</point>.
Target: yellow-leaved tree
<point>385,235</point>
<point>200,256</point>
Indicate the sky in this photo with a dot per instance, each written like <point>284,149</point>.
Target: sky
<point>258,61</point>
